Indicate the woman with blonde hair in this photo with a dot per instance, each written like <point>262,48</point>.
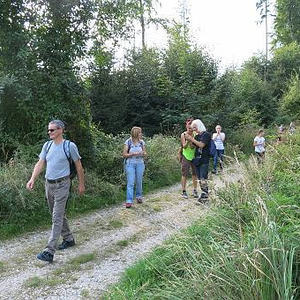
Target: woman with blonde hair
<point>134,152</point>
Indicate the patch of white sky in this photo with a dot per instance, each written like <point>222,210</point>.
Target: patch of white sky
<point>229,30</point>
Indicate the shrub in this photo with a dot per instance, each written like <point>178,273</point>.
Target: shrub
<point>21,210</point>
<point>246,248</point>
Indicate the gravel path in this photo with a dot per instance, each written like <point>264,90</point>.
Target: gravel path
<point>107,242</point>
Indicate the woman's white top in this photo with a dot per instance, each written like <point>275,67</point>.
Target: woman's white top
<point>219,140</point>
<point>260,144</point>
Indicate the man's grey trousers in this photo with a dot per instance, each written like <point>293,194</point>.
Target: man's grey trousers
<point>57,196</point>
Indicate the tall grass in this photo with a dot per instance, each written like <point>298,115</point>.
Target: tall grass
<point>242,138</point>
<point>246,248</point>
<point>21,210</point>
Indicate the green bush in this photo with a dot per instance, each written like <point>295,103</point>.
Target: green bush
<point>22,210</point>
<point>246,248</point>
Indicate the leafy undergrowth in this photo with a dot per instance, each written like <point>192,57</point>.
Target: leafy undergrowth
<point>247,248</point>
<point>22,211</point>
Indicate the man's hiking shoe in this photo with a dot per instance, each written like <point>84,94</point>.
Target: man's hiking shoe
<point>203,198</point>
<point>128,205</point>
<point>66,244</point>
<point>214,171</point>
<point>184,195</point>
<point>45,256</point>
<point>204,195</point>
<point>139,200</point>
<point>195,194</point>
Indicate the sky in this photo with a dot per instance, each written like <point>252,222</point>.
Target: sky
<point>228,29</point>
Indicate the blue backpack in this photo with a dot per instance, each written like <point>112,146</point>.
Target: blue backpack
<point>212,148</point>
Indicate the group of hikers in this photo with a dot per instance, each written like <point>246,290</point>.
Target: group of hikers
<point>61,156</point>
<point>194,154</point>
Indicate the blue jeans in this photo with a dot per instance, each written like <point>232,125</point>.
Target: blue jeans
<point>219,155</point>
<point>134,174</point>
<point>202,171</point>
<point>202,174</point>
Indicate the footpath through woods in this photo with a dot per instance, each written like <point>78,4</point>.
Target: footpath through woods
<point>107,242</point>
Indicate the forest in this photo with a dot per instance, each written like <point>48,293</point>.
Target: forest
<point>59,60</point>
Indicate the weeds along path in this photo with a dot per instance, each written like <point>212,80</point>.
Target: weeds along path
<point>107,242</point>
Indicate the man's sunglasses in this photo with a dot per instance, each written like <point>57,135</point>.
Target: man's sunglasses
<point>52,130</point>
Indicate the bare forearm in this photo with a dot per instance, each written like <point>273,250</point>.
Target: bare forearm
<point>195,142</point>
<point>36,171</point>
<point>80,174</point>
<point>184,142</point>
<point>38,168</point>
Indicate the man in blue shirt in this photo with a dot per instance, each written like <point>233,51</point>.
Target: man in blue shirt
<point>57,185</point>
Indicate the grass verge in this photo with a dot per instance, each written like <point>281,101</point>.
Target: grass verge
<point>22,211</point>
<point>247,248</point>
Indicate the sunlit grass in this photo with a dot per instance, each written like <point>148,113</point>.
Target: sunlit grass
<point>247,248</point>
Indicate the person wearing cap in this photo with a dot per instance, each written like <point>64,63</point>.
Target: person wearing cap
<point>57,186</point>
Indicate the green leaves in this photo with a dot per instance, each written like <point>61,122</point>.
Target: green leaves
<point>287,21</point>
<point>291,99</point>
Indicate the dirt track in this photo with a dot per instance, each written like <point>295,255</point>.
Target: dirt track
<point>107,242</point>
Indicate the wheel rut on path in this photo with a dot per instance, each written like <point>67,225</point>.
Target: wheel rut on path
<point>107,242</point>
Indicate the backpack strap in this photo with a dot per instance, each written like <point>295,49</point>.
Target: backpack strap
<point>64,147</point>
<point>48,146</point>
<point>130,143</point>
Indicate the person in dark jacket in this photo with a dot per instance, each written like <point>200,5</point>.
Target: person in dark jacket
<point>201,161</point>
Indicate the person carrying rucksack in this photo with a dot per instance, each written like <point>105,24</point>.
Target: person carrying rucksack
<point>201,161</point>
<point>134,152</point>
<point>218,138</point>
<point>188,153</point>
<point>57,185</point>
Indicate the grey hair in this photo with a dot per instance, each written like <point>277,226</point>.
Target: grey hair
<point>58,123</point>
<point>198,123</point>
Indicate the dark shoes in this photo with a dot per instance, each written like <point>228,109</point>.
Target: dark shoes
<point>139,200</point>
<point>184,194</point>
<point>203,198</point>
<point>45,256</point>
<point>195,194</point>
<point>128,205</point>
<point>66,244</point>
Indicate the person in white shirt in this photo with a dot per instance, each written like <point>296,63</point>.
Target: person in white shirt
<point>292,128</point>
<point>259,144</point>
<point>218,138</point>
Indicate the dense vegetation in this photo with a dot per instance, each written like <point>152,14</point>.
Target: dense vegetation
<point>21,210</point>
<point>246,248</point>
<point>57,60</point>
